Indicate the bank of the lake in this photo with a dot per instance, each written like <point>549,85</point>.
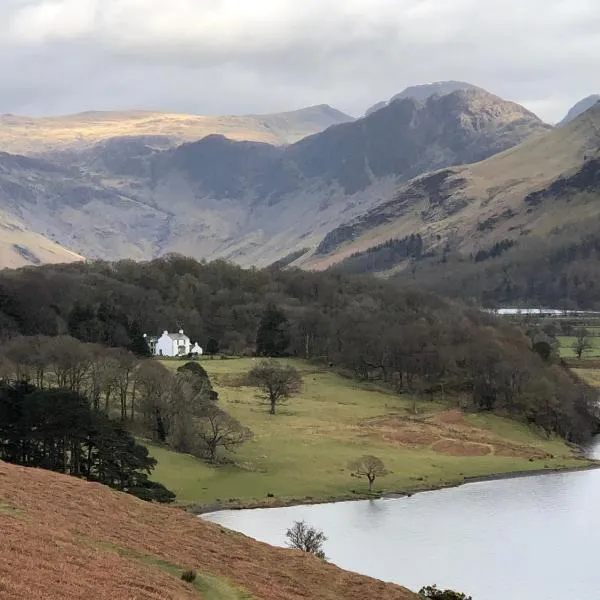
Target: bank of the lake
<point>519,538</point>
<point>301,454</point>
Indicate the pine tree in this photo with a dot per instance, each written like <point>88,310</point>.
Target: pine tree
<point>273,336</point>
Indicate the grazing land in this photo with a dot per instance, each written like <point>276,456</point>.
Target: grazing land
<point>566,345</point>
<point>67,539</point>
<point>302,453</point>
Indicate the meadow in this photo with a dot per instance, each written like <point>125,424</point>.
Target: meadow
<point>301,454</point>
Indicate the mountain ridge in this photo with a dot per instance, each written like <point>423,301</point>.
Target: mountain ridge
<point>249,201</point>
<point>525,192</point>
<point>41,135</point>
<point>579,108</point>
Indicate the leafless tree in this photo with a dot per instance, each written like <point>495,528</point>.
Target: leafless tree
<point>217,429</point>
<point>276,382</point>
<point>582,342</point>
<point>308,539</point>
<point>370,467</point>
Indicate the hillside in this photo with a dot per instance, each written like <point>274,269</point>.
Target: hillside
<point>66,539</point>
<point>20,247</point>
<point>27,135</point>
<point>249,201</point>
<point>580,108</point>
<point>539,193</point>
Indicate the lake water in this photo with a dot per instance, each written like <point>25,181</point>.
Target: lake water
<point>529,538</point>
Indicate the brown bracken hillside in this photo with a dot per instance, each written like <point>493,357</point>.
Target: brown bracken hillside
<point>63,538</point>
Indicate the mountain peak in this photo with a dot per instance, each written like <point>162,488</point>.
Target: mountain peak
<point>580,108</point>
<point>424,91</point>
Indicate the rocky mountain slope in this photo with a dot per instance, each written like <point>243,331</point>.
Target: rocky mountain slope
<point>249,201</point>
<point>23,135</point>
<point>580,108</point>
<point>424,91</point>
<point>538,191</point>
<point>65,539</point>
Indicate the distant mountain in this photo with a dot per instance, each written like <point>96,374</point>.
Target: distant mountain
<point>492,230</point>
<point>248,201</point>
<point>580,108</point>
<point>24,135</point>
<point>422,92</point>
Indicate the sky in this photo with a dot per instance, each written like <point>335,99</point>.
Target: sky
<point>261,56</point>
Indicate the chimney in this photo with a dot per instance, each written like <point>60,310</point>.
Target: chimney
<point>181,332</point>
<point>165,332</point>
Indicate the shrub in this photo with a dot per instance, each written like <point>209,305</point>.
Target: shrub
<point>189,576</point>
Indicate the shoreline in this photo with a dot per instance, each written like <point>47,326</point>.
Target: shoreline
<point>200,510</point>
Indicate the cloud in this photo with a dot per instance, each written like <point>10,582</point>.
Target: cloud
<point>235,56</point>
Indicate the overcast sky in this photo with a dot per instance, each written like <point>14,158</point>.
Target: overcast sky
<point>248,56</point>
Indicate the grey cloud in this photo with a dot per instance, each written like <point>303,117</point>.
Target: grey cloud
<point>232,56</point>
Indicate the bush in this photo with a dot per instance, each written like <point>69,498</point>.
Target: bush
<point>431,592</point>
<point>188,576</point>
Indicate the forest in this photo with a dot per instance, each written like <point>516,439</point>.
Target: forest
<point>410,341</point>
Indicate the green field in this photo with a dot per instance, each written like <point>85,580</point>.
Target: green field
<point>566,347</point>
<point>302,453</point>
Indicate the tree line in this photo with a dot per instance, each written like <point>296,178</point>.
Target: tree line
<point>412,341</point>
<point>56,429</point>
<point>178,409</point>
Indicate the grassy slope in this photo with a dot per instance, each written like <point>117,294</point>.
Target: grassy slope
<point>66,539</point>
<point>302,453</point>
<point>36,246</point>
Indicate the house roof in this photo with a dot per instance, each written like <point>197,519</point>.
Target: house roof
<point>178,337</point>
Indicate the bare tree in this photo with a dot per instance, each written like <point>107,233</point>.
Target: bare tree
<point>155,388</point>
<point>370,467</point>
<point>217,429</point>
<point>276,382</point>
<point>305,538</point>
<point>582,342</point>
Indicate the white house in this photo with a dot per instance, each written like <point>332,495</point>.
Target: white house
<point>170,344</point>
<point>197,349</point>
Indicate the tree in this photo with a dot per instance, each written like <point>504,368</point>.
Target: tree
<point>431,592</point>
<point>305,538</point>
<point>582,342</point>
<point>273,336</point>
<point>217,429</point>
<point>276,382</point>
<point>370,467</point>
<point>56,429</point>
<point>212,347</point>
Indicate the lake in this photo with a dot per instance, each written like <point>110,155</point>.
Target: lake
<point>528,538</point>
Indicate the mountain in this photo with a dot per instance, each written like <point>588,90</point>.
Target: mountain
<point>20,246</point>
<point>422,92</point>
<point>24,135</point>
<point>524,206</point>
<point>249,201</point>
<point>117,546</point>
<point>580,108</point>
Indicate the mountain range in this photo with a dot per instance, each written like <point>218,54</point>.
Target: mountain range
<point>448,163</point>
<point>248,201</point>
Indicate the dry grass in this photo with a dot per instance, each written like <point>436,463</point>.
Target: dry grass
<point>450,433</point>
<point>78,540</point>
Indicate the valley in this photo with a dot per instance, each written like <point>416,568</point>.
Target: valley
<point>301,455</point>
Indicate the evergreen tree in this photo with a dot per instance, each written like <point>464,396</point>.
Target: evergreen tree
<point>273,336</point>
<point>138,345</point>
<point>212,347</point>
